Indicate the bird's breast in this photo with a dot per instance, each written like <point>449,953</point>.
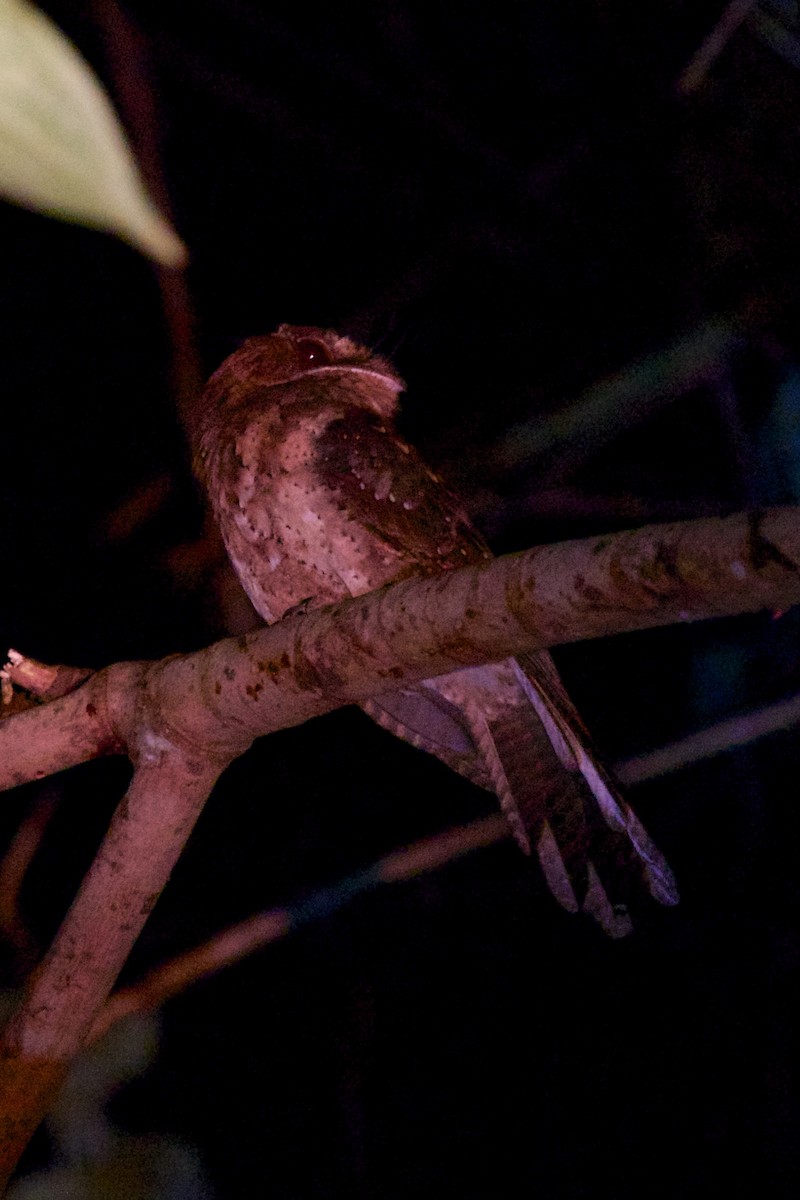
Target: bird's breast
<point>289,531</point>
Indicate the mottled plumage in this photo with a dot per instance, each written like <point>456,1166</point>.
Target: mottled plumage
<point>317,498</point>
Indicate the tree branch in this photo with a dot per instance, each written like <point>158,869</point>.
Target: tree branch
<point>182,720</point>
<point>66,991</point>
<point>219,699</point>
<point>259,930</point>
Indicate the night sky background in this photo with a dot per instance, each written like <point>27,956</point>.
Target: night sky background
<point>518,204</point>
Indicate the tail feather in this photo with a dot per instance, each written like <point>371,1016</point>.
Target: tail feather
<point>554,869</point>
<point>611,917</point>
<point>553,807</point>
<point>544,689</point>
<point>511,727</point>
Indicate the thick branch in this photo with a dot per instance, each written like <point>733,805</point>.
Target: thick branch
<point>64,996</point>
<point>219,699</point>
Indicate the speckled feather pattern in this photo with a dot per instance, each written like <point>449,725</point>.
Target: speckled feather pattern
<point>325,501</point>
<point>318,497</point>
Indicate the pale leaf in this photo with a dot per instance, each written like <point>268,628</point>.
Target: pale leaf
<point>62,149</point>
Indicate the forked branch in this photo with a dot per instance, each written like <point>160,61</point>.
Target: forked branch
<point>182,720</point>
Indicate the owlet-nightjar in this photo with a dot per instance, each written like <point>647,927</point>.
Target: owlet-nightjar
<point>317,498</point>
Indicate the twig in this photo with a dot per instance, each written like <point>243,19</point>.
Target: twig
<point>26,683</point>
<point>717,739</point>
<point>258,931</point>
<point>41,680</point>
<point>128,59</point>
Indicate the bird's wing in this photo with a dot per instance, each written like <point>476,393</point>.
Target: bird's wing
<point>386,489</point>
<point>425,719</point>
<point>509,726</point>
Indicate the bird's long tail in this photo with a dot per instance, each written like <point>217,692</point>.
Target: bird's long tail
<point>512,728</point>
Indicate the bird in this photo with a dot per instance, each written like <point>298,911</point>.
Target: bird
<point>318,497</point>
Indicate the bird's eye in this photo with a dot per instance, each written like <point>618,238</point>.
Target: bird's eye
<point>311,353</point>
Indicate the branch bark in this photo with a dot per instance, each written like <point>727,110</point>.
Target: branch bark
<point>217,700</point>
<point>182,720</point>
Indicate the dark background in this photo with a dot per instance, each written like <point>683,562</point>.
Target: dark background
<point>517,203</point>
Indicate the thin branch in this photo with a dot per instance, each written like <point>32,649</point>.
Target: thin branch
<point>706,743</point>
<point>42,680</point>
<point>128,55</point>
<point>249,936</point>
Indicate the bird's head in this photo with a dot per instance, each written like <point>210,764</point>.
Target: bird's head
<point>297,352</point>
